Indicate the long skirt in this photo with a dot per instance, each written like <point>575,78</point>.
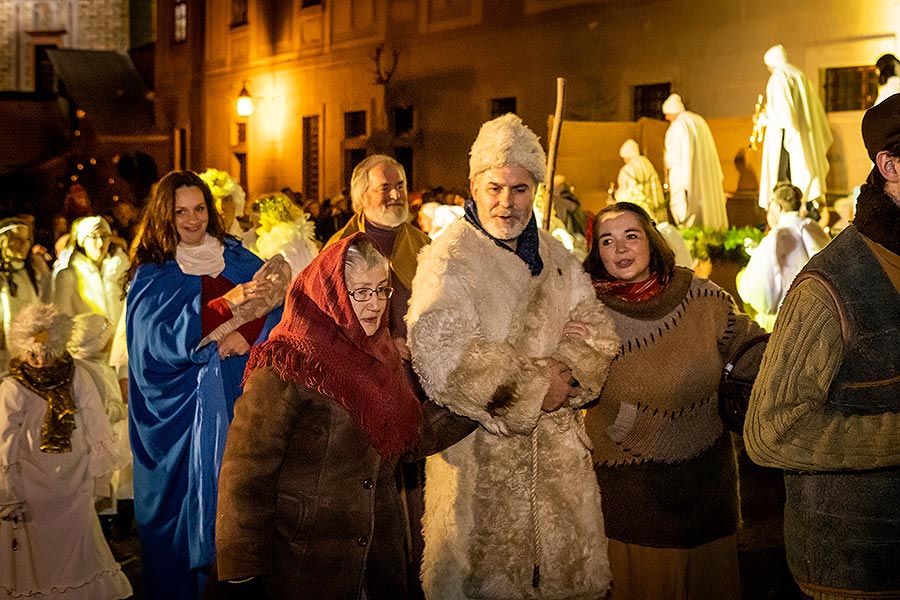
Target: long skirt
<point>707,572</point>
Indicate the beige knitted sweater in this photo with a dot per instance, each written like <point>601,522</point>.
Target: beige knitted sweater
<point>659,402</point>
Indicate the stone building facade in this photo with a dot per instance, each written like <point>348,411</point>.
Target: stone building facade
<point>26,25</point>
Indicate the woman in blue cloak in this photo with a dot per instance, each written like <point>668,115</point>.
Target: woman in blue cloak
<point>188,284</point>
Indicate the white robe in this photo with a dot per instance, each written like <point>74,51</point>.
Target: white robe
<point>61,550</point>
<point>697,198</point>
<point>776,261</point>
<point>520,490</point>
<point>676,242</point>
<point>81,287</point>
<point>794,113</point>
<point>638,183</point>
<point>11,306</point>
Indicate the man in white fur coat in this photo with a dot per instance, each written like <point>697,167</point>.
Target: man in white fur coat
<point>504,328</point>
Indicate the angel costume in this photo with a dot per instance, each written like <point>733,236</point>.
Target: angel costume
<point>58,550</point>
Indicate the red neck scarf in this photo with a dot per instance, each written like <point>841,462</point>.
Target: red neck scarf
<point>640,291</point>
<point>320,344</point>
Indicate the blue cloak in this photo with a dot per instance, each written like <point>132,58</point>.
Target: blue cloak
<point>181,401</point>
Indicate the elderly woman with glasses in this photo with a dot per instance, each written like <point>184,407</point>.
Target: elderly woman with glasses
<point>307,495</point>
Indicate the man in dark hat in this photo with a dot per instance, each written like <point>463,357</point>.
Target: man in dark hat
<point>826,404</point>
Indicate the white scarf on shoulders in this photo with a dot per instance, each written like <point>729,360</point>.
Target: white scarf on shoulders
<point>206,259</point>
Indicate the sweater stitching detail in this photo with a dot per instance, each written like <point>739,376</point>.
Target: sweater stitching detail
<point>672,321</point>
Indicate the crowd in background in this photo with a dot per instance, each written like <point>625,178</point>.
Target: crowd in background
<point>587,361</point>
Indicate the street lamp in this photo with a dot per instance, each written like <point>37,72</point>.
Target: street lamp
<point>244,102</point>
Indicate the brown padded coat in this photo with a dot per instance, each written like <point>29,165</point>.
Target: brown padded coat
<point>306,503</point>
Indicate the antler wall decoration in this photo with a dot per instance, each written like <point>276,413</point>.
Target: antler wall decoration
<point>383,74</point>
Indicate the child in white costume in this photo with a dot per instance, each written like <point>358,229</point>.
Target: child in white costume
<point>56,449</point>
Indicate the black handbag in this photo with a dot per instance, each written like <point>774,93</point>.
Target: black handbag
<point>734,392</point>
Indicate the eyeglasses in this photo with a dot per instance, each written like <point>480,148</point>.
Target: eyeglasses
<point>365,294</point>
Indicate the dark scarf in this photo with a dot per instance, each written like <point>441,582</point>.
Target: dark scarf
<point>526,245</point>
<point>53,384</point>
<point>878,217</point>
<point>321,345</point>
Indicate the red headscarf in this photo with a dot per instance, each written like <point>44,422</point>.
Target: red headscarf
<point>320,344</point>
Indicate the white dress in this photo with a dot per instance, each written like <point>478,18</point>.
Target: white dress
<point>695,174</point>
<point>92,295</point>
<point>10,305</point>
<point>61,552</point>
<point>796,119</point>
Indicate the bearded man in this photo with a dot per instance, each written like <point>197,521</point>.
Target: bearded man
<point>381,210</point>
<point>380,202</point>
<point>505,329</point>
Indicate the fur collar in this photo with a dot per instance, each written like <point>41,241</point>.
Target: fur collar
<point>878,217</point>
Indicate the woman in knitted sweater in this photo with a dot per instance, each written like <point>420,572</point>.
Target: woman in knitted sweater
<point>664,461</point>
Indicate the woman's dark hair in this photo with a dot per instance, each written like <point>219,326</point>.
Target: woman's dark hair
<point>887,68</point>
<point>662,257</point>
<point>157,237</point>
<point>788,196</point>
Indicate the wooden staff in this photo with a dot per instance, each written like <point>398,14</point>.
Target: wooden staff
<point>554,144</point>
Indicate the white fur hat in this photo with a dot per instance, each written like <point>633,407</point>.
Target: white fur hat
<point>629,149</point>
<point>775,56</point>
<point>39,325</point>
<point>673,105</point>
<point>507,141</point>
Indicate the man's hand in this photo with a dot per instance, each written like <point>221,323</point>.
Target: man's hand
<point>561,386</point>
<point>232,345</point>
<point>575,329</point>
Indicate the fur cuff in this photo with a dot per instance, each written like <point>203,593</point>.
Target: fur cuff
<point>589,358</point>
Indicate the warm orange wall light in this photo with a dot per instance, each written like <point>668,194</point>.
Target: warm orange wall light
<point>244,105</point>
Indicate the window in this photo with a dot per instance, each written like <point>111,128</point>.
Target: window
<point>240,12</point>
<point>404,156</point>
<point>354,123</point>
<point>648,99</point>
<point>43,69</point>
<point>241,158</point>
<point>311,157</point>
<point>850,88</point>
<point>180,33</point>
<point>401,119</point>
<point>501,106</point>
